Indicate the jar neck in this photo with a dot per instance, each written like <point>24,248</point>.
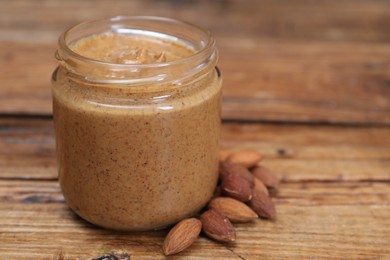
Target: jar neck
<point>96,72</point>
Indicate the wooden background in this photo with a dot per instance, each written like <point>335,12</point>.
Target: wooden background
<point>306,82</point>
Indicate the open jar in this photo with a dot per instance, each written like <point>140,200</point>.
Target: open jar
<point>136,104</point>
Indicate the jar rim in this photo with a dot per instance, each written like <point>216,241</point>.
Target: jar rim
<point>65,51</point>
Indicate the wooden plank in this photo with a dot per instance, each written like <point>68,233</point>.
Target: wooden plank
<point>327,153</point>
<point>295,152</point>
<point>318,220</point>
<point>307,82</point>
<point>276,65</point>
<point>303,194</point>
<point>330,20</point>
<point>27,149</point>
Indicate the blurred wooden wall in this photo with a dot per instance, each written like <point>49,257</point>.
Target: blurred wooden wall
<point>288,60</point>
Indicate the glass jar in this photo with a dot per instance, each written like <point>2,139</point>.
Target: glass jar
<point>137,144</point>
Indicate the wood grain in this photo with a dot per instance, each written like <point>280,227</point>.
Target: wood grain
<point>287,60</point>
<point>319,220</point>
<point>27,149</point>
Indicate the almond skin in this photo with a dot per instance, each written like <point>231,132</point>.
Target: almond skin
<point>217,226</point>
<point>262,204</point>
<point>259,186</point>
<point>236,187</point>
<point>182,236</point>
<point>267,177</point>
<point>234,210</point>
<point>227,168</point>
<point>246,158</point>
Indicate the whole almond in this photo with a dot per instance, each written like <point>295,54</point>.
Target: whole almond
<point>182,236</point>
<point>267,177</point>
<point>262,204</point>
<point>217,226</point>
<point>246,158</point>
<point>259,186</point>
<point>236,187</point>
<point>234,210</point>
<point>227,168</point>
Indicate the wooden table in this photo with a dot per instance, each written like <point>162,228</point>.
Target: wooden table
<point>307,83</point>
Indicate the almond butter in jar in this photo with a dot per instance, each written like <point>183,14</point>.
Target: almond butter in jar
<point>136,103</point>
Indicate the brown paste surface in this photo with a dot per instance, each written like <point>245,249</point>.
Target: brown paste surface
<point>134,160</point>
<point>122,49</point>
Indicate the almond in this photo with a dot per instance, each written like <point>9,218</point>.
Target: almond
<point>246,158</point>
<point>227,168</point>
<point>217,227</point>
<point>236,187</point>
<point>267,177</point>
<point>182,236</point>
<point>262,204</point>
<point>259,185</point>
<point>234,210</point>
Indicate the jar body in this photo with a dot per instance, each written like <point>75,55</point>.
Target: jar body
<point>134,161</point>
